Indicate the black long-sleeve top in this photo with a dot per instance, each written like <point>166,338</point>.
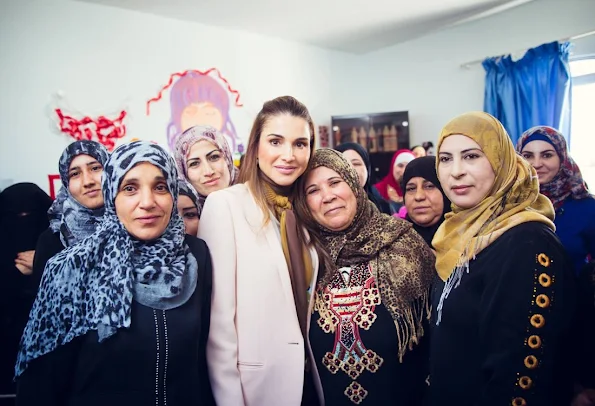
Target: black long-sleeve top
<point>159,360</point>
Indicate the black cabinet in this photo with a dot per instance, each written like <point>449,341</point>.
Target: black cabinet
<point>381,134</point>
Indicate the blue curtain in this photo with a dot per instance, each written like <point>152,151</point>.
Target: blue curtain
<point>534,90</point>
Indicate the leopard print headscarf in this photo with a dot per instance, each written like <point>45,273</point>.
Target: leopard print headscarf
<point>400,259</point>
<point>67,216</point>
<point>91,285</point>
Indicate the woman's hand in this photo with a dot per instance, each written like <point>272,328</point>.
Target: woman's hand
<point>24,262</point>
<point>392,194</point>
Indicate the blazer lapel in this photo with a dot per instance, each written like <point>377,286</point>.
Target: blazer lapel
<point>279,258</point>
<point>256,219</point>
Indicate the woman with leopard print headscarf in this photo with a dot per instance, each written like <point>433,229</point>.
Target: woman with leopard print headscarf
<point>122,317</point>
<point>371,305</point>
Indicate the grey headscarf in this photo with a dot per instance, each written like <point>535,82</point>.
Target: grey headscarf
<point>67,215</point>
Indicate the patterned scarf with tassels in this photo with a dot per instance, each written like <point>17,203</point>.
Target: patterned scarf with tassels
<point>401,261</point>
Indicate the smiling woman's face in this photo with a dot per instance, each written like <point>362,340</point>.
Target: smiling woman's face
<point>84,181</point>
<point>284,148</point>
<point>144,203</point>
<point>330,199</point>
<point>544,158</point>
<point>207,168</point>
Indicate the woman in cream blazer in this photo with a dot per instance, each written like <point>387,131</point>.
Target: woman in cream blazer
<point>256,349</point>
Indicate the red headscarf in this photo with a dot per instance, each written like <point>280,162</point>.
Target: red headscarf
<point>389,179</point>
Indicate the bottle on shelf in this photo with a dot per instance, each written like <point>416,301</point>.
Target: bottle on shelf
<point>386,138</point>
<point>362,138</point>
<point>394,138</point>
<point>337,136</point>
<point>353,136</point>
<point>373,141</point>
<point>373,137</point>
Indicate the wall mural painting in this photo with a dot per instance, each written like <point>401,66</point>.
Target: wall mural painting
<point>101,129</point>
<point>106,129</point>
<point>201,98</point>
<point>54,184</point>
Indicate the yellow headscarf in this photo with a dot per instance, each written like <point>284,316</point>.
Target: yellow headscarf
<point>513,199</point>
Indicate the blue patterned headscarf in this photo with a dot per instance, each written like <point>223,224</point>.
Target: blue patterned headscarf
<point>67,215</point>
<point>90,285</point>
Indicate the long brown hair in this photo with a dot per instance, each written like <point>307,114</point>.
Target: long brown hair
<point>249,171</point>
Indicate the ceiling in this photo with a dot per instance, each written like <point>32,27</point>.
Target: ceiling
<point>355,26</point>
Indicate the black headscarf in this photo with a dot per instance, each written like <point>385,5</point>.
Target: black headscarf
<point>23,218</point>
<point>425,167</point>
<point>379,202</point>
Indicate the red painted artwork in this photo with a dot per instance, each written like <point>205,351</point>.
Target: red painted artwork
<point>101,129</point>
<point>53,179</point>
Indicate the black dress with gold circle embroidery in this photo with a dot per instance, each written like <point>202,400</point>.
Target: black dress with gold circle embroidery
<point>505,335</point>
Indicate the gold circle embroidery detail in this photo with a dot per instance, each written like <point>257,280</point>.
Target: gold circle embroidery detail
<point>542,301</point>
<point>534,342</point>
<point>537,321</point>
<point>519,402</point>
<point>544,260</point>
<point>531,362</point>
<point>525,382</point>
<point>545,280</point>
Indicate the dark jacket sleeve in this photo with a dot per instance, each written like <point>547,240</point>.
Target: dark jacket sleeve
<point>205,324</point>
<point>525,315</point>
<point>589,234</point>
<point>48,379</point>
<point>205,284</point>
<point>584,328</point>
<point>48,245</point>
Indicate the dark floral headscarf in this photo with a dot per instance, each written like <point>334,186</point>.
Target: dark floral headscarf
<point>568,182</point>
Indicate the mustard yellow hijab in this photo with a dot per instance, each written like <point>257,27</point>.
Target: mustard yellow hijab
<point>513,199</point>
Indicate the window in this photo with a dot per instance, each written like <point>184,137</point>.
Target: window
<point>582,140</point>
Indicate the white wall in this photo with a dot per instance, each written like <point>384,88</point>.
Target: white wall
<point>424,76</point>
<point>104,59</point>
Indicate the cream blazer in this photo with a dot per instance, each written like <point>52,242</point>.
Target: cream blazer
<point>255,350</point>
